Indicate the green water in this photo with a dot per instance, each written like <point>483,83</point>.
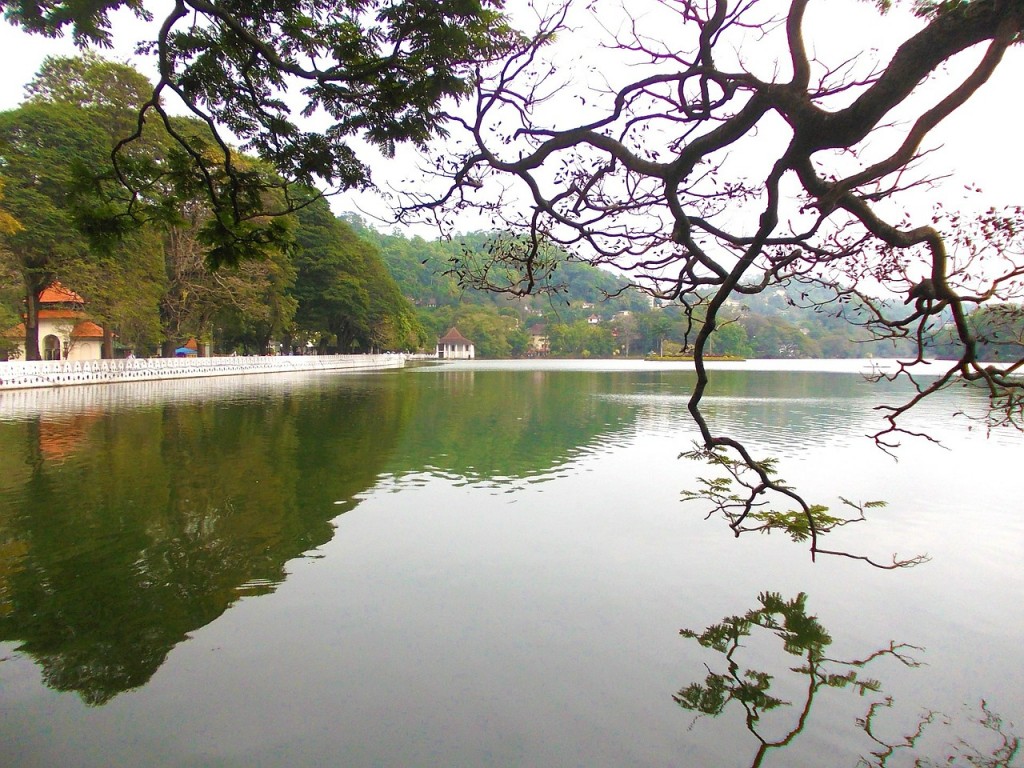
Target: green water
<point>489,564</point>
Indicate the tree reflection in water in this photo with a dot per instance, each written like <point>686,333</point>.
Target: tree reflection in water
<point>804,637</point>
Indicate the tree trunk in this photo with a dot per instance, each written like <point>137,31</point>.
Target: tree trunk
<point>32,325</point>
<point>107,352</point>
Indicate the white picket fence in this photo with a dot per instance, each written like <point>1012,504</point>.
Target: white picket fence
<point>30,375</point>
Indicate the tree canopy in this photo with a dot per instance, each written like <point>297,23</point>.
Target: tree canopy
<point>253,71</point>
<point>44,147</point>
<point>345,296</point>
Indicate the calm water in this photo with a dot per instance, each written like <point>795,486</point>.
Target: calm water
<point>489,564</point>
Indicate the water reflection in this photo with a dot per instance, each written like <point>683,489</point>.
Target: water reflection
<point>130,520</point>
<point>500,427</point>
<point>977,737</point>
<point>133,515</point>
<point>130,530</point>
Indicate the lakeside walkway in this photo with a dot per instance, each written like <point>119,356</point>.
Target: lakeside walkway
<point>37,374</point>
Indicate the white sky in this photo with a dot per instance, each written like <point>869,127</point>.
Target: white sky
<point>981,142</point>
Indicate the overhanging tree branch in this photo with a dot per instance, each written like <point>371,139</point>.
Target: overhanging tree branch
<point>648,185</point>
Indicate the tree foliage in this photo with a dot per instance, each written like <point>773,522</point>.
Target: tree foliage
<point>346,299</point>
<point>178,272</point>
<point>714,173</point>
<point>253,71</point>
<point>424,270</point>
<point>122,277</point>
<point>43,149</point>
<point>112,91</point>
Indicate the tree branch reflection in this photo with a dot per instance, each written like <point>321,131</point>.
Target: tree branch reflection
<point>804,638</point>
<point>1003,751</point>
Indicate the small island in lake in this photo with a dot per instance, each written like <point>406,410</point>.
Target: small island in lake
<point>688,357</point>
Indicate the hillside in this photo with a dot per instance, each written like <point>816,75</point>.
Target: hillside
<point>584,311</point>
<point>423,270</point>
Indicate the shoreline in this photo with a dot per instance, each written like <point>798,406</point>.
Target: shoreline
<point>47,374</point>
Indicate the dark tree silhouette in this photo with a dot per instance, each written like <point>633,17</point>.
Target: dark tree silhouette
<point>650,178</point>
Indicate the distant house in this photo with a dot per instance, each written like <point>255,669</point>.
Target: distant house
<point>65,333</point>
<point>540,343</point>
<point>454,346</point>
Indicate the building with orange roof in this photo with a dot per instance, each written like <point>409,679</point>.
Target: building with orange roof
<point>65,332</point>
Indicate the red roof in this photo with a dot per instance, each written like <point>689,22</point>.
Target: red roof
<point>453,337</point>
<point>55,293</point>
<point>87,329</point>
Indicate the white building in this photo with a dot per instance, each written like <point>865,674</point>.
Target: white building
<point>454,346</point>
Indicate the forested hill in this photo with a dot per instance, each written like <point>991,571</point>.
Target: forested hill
<point>422,270</point>
<point>584,311</point>
<point>590,312</point>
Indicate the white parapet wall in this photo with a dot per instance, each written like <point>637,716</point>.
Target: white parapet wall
<point>31,375</point>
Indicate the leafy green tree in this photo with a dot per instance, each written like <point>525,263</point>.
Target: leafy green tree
<point>580,339</point>
<point>775,337</point>
<point>490,332</point>
<point>251,297</point>
<point>426,273</point>
<point>122,287</point>
<point>343,291</point>
<point>383,70</point>
<point>730,340</point>
<point>252,305</point>
<point>8,224</point>
<point>392,322</point>
<point>418,266</point>
<point>653,327</point>
<point>331,302</point>
<point>627,332</point>
<point>10,294</point>
<point>112,92</point>
<point>45,148</point>
<point>120,278</point>
<point>144,263</point>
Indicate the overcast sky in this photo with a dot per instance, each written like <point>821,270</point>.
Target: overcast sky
<point>982,142</point>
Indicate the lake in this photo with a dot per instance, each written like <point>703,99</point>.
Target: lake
<point>490,564</point>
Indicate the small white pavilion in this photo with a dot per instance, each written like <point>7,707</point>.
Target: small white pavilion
<point>454,346</point>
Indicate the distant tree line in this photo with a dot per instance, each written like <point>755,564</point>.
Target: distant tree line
<point>590,312</point>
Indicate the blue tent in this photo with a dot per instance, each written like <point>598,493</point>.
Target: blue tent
<point>184,352</point>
